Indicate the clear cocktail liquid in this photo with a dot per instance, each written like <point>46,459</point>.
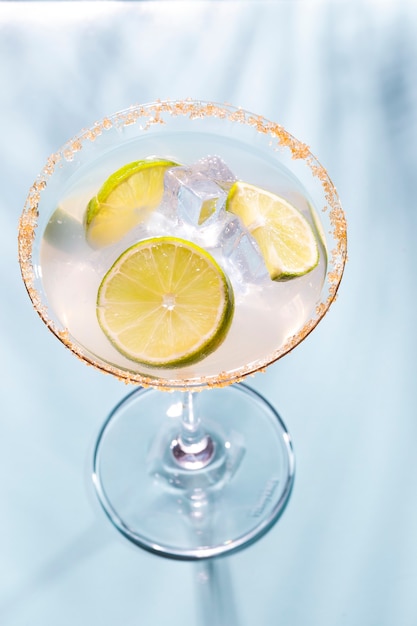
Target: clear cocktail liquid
<point>267,313</point>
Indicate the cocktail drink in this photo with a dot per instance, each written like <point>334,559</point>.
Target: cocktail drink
<point>182,246</point>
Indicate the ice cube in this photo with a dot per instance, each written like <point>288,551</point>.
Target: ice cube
<point>213,235</point>
<point>216,169</point>
<point>248,258</point>
<point>242,254</point>
<point>232,231</point>
<point>193,197</point>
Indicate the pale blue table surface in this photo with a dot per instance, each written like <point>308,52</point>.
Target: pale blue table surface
<point>341,76</point>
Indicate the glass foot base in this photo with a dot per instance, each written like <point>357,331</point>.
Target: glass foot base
<point>197,509</point>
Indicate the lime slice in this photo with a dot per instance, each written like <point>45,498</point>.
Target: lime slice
<point>126,198</point>
<point>165,303</point>
<point>285,238</point>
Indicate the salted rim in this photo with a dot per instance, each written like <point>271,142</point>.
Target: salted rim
<point>153,113</point>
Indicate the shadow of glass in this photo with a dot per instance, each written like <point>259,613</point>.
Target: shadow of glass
<point>216,599</point>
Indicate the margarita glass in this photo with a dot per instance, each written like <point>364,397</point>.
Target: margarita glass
<point>184,474</point>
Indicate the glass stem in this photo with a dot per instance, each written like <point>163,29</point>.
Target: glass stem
<point>193,448</point>
<point>192,431</point>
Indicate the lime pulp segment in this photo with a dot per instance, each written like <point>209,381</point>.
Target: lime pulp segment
<point>284,236</point>
<point>165,303</point>
<point>126,199</point>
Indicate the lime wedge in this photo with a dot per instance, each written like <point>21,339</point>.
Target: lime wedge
<point>126,198</point>
<point>165,303</point>
<point>285,238</point>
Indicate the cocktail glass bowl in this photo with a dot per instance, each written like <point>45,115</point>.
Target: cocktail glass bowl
<point>188,465</point>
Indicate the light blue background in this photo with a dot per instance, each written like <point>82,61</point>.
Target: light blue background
<point>341,76</point>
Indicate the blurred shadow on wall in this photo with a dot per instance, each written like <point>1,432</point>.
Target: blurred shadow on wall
<point>369,92</point>
<point>397,94</point>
